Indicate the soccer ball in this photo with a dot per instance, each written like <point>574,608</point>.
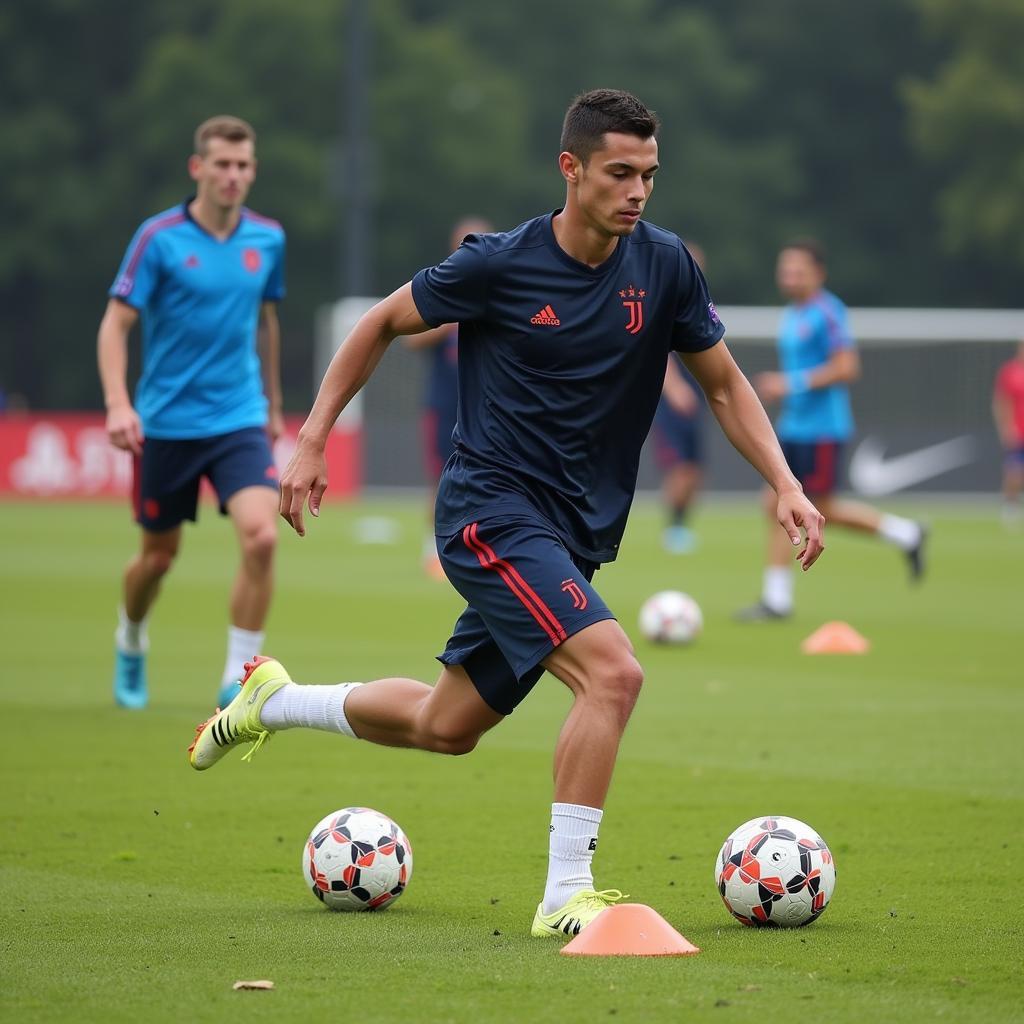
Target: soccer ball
<point>357,859</point>
<point>671,617</point>
<point>775,872</point>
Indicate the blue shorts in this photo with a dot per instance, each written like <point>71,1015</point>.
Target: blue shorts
<point>526,594</point>
<point>1013,458</point>
<point>677,438</point>
<point>815,464</point>
<point>168,473</point>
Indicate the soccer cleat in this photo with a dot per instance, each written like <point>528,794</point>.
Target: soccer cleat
<point>130,689</point>
<point>915,555</point>
<point>678,540</point>
<point>577,913</point>
<point>760,612</point>
<point>240,721</point>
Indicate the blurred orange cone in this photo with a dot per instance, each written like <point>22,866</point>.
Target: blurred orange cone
<point>629,929</point>
<point>835,638</point>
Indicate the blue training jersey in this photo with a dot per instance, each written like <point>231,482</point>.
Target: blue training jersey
<point>200,302</point>
<point>808,336</point>
<point>560,369</point>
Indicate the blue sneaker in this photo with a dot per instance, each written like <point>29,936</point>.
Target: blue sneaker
<point>130,690</point>
<point>678,540</point>
<point>228,692</point>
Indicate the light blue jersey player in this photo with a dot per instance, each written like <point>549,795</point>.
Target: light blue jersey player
<point>818,361</point>
<point>200,277</point>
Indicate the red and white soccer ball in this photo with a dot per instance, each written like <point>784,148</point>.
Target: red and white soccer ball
<point>357,859</point>
<point>775,872</point>
<point>671,617</point>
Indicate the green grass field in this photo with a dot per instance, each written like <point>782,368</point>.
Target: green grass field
<point>132,888</point>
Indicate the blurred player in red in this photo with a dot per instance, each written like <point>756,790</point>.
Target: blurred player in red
<point>1008,411</point>
<point>441,399</point>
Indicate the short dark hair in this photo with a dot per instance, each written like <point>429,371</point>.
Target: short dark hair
<point>222,126</point>
<point>811,246</point>
<point>594,113</point>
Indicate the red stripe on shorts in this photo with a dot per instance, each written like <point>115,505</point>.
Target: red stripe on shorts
<point>529,598</point>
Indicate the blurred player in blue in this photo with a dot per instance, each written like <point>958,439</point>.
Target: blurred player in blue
<point>679,444</point>
<point>441,396</point>
<point>200,277</point>
<point>819,361</point>
<point>565,325</point>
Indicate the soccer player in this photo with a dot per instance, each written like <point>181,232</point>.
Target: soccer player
<point>565,324</point>
<point>819,360</point>
<point>441,399</point>
<point>678,444</point>
<point>1008,412</point>
<point>200,276</point>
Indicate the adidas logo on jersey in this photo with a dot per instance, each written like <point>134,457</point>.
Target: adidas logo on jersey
<point>547,316</point>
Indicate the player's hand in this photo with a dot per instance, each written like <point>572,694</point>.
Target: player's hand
<point>304,477</point>
<point>771,386</point>
<point>124,428</point>
<point>796,512</point>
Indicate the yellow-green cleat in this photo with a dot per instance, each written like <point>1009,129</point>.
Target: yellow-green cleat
<point>577,913</point>
<point>240,721</point>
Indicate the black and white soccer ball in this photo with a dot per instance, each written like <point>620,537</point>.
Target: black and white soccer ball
<point>775,872</point>
<point>357,859</point>
<point>671,617</point>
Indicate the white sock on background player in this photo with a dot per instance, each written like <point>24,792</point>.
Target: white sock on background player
<point>309,707</point>
<point>904,533</point>
<point>243,646</point>
<point>571,844</point>
<point>131,637</point>
<point>777,589</point>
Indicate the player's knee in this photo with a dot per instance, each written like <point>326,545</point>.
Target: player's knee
<point>158,562</point>
<point>618,683</point>
<point>447,737</point>
<point>259,543</point>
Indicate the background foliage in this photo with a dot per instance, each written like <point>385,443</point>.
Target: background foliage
<point>891,129</point>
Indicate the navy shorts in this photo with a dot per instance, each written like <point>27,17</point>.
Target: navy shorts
<point>677,438</point>
<point>526,594</point>
<point>815,464</point>
<point>1014,457</point>
<point>168,473</point>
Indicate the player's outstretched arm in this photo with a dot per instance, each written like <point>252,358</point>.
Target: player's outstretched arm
<point>123,425</point>
<point>270,362</point>
<point>742,417</point>
<point>305,477</point>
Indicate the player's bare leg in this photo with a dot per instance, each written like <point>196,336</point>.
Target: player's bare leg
<point>142,579</point>
<point>253,512</point>
<point>679,486</point>
<point>447,718</point>
<point>598,666</point>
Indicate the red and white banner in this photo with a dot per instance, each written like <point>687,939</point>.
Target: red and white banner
<point>67,455</point>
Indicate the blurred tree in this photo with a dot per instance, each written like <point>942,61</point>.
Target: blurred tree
<point>968,119</point>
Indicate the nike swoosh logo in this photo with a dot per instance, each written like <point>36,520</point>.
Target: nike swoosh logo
<point>871,473</point>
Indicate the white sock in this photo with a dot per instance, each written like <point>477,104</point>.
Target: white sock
<point>131,637</point>
<point>904,533</point>
<point>777,589</point>
<point>243,646</point>
<point>309,707</point>
<point>571,845</point>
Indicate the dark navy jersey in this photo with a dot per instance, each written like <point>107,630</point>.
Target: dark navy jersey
<point>560,369</point>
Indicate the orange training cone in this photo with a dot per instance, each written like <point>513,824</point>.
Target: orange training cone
<point>629,929</point>
<point>835,638</point>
